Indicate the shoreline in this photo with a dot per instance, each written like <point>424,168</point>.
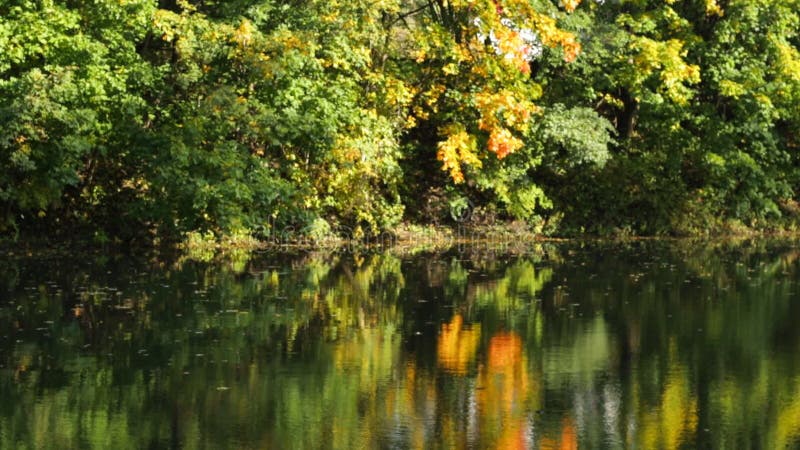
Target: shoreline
<point>404,238</point>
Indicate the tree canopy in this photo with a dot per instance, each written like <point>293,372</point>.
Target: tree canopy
<point>158,118</point>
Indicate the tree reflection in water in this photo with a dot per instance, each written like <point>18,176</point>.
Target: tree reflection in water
<point>649,345</point>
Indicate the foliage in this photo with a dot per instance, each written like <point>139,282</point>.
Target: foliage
<point>154,119</point>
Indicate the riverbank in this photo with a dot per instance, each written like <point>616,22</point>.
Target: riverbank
<point>506,238</point>
<point>511,237</point>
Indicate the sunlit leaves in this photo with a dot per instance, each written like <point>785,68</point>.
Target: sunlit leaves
<point>713,8</point>
<point>229,116</point>
<point>65,79</point>
<point>458,148</point>
<point>482,52</point>
<point>788,61</point>
<point>502,142</point>
<point>503,108</point>
<point>666,59</point>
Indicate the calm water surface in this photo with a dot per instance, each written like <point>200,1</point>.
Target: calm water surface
<point>645,345</point>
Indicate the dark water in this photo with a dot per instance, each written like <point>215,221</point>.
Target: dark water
<point>646,345</point>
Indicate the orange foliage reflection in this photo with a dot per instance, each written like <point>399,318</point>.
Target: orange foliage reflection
<point>506,393</point>
<point>568,439</point>
<point>505,352</point>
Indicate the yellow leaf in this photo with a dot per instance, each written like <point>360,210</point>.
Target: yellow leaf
<point>457,149</point>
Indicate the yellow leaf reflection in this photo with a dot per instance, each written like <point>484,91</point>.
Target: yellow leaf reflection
<point>457,345</point>
<point>674,421</point>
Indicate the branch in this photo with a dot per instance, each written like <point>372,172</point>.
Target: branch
<point>403,16</point>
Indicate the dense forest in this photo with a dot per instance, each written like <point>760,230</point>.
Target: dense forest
<point>156,118</point>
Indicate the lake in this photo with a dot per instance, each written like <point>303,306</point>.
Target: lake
<point>645,344</point>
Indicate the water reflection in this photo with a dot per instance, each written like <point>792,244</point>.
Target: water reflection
<point>457,345</point>
<point>649,345</point>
